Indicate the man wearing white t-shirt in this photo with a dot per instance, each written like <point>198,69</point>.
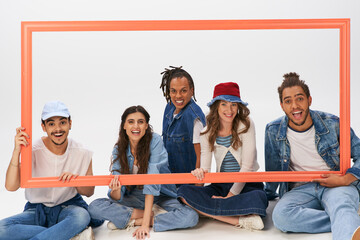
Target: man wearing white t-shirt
<point>51,213</point>
<point>307,140</point>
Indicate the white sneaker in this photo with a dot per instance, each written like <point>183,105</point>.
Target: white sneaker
<point>250,222</point>
<point>111,226</point>
<point>87,234</point>
<point>130,225</point>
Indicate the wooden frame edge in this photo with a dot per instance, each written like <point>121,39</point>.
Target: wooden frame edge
<point>27,28</point>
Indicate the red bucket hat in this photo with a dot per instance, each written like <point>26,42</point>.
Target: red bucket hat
<point>228,91</point>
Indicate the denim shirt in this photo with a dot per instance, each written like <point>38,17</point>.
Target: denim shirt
<point>277,148</point>
<point>178,136</point>
<point>158,163</point>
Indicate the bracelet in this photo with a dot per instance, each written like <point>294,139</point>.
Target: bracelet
<point>13,164</point>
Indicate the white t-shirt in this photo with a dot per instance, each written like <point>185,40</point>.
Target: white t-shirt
<point>304,155</point>
<point>76,160</point>
<point>198,126</point>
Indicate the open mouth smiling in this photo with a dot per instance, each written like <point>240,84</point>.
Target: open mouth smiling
<point>297,115</point>
<point>58,135</point>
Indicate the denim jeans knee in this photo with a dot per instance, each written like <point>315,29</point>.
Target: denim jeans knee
<point>300,210</point>
<point>71,221</point>
<point>79,217</point>
<point>95,208</point>
<point>279,218</point>
<point>20,226</point>
<point>189,216</point>
<point>341,204</point>
<point>106,209</point>
<point>178,216</point>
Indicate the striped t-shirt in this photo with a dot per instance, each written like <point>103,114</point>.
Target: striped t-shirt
<point>229,163</point>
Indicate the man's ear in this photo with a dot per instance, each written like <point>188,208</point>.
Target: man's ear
<point>43,127</point>
<point>281,105</point>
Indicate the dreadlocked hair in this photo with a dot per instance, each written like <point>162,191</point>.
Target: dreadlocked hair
<point>170,74</point>
<point>142,149</point>
<point>213,124</point>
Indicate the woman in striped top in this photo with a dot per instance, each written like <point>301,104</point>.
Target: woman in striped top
<point>230,135</point>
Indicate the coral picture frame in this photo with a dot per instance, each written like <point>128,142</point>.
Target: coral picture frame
<point>27,28</point>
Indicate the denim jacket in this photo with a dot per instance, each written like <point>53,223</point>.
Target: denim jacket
<point>158,163</point>
<point>178,136</point>
<point>277,148</point>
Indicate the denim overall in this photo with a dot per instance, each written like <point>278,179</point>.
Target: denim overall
<point>178,136</point>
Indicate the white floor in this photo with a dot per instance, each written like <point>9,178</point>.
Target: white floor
<point>211,229</point>
<point>207,229</point>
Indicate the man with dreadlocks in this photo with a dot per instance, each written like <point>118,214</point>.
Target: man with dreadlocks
<point>308,140</point>
<point>183,120</point>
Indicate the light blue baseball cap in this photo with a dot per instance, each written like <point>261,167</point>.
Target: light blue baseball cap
<point>54,108</point>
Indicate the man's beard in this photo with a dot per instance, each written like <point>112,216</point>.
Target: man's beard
<point>58,144</point>
<point>302,123</point>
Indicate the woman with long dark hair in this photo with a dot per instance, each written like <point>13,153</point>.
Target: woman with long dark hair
<point>230,135</point>
<point>140,151</point>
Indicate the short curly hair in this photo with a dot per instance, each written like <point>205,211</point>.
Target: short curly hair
<point>292,79</point>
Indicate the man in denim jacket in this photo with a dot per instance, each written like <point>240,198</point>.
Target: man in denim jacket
<point>306,140</point>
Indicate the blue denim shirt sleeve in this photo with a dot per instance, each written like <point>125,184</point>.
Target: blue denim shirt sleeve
<point>272,161</point>
<point>115,170</point>
<point>157,162</point>
<point>355,155</point>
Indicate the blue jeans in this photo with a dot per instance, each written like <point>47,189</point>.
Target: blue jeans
<point>251,200</point>
<point>177,216</point>
<point>312,208</point>
<point>72,220</point>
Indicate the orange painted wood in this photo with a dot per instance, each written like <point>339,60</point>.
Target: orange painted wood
<point>345,145</point>
<point>26,101</point>
<point>160,25</point>
<point>174,178</point>
<point>27,28</point>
